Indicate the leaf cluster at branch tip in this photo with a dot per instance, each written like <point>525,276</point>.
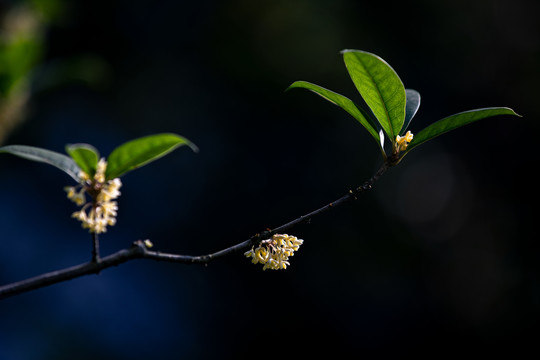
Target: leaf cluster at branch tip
<point>388,108</point>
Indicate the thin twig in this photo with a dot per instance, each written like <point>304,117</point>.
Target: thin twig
<point>139,249</point>
<point>57,276</point>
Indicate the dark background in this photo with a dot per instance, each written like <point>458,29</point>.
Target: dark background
<point>442,254</point>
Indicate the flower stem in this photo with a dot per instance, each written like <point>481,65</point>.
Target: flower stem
<point>95,248</point>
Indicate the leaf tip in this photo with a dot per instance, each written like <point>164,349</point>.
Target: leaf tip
<point>507,111</point>
<point>295,85</point>
<point>193,147</point>
<point>515,113</point>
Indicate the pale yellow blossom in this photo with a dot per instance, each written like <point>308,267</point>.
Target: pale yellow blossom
<point>274,253</point>
<point>402,142</point>
<point>100,171</point>
<point>76,196</point>
<point>101,212</point>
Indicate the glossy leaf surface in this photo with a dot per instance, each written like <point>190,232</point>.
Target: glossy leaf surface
<point>380,87</point>
<point>85,155</point>
<point>455,121</point>
<point>341,101</point>
<point>61,161</point>
<point>136,153</point>
<point>411,107</point>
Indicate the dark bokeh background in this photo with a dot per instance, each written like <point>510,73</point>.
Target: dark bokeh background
<point>442,254</point>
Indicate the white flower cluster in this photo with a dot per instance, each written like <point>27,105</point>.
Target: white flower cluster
<point>101,211</point>
<point>274,253</point>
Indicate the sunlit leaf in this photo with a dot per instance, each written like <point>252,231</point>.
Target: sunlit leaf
<point>380,87</point>
<point>455,121</point>
<point>341,101</point>
<point>85,155</point>
<point>141,151</point>
<point>61,161</point>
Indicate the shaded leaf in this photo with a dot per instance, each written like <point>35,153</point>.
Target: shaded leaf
<point>136,153</point>
<point>380,87</point>
<point>85,155</point>
<point>61,161</point>
<point>455,121</point>
<point>413,103</point>
<point>341,101</point>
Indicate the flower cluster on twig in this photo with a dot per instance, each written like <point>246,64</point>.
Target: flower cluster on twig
<point>274,253</point>
<point>101,211</point>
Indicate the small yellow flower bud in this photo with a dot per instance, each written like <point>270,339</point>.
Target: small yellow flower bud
<point>148,243</point>
<point>84,176</point>
<point>402,142</point>
<point>100,171</point>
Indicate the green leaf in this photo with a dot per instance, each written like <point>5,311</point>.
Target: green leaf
<point>455,121</point>
<point>413,103</point>
<point>61,161</point>
<point>85,155</point>
<point>341,101</point>
<point>380,87</point>
<point>141,151</point>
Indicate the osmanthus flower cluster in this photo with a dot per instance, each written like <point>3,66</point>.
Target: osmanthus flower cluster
<point>99,178</point>
<point>274,253</point>
<point>101,211</point>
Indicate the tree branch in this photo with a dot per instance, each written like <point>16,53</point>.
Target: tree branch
<point>140,251</point>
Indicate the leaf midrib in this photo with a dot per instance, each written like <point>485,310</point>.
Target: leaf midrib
<point>380,98</point>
